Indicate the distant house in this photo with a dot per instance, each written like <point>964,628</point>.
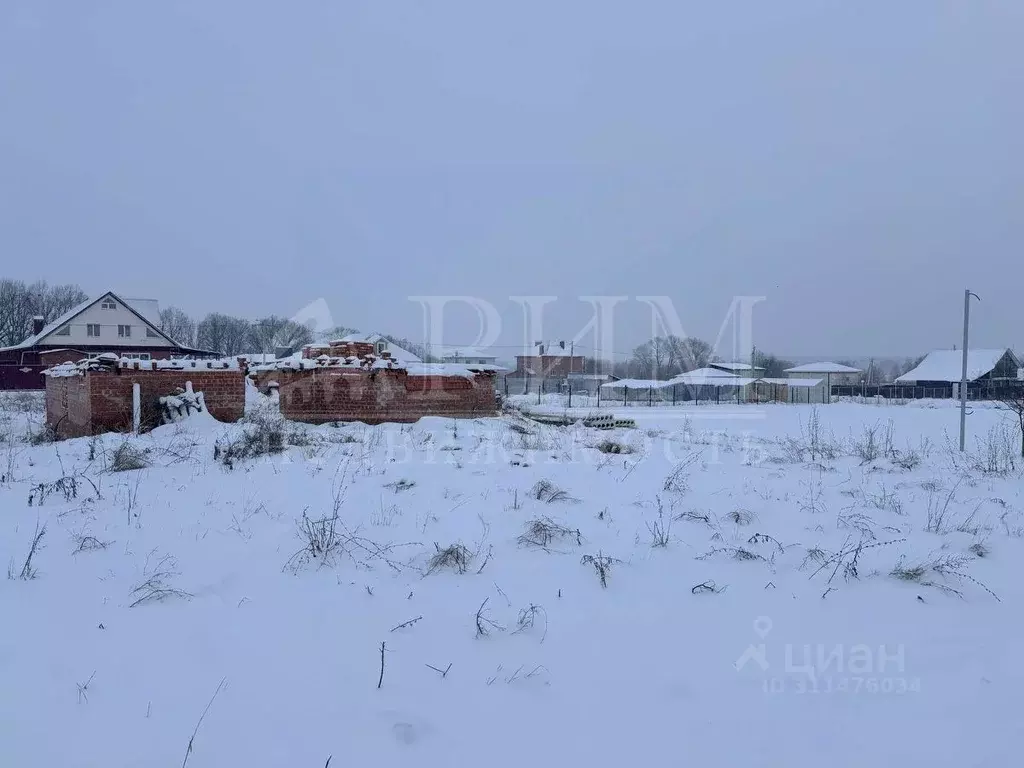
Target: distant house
<point>553,360</point>
<point>986,369</point>
<point>465,355</point>
<point>108,323</point>
<point>825,375</point>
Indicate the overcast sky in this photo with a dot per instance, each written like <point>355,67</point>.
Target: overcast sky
<point>857,163</point>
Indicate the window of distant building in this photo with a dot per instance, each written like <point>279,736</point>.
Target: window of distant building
<point>92,329</point>
<point>109,304</point>
<point>124,331</point>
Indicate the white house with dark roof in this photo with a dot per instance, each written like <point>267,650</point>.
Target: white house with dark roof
<point>106,323</point>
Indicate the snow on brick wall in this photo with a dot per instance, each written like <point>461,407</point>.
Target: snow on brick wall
<point>101,401</point>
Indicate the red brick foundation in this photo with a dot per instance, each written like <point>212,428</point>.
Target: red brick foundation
<point>321,395</point>
<point>101,401</point>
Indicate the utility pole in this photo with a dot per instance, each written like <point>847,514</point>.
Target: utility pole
<point>963,371</point>
<point>572,350</point>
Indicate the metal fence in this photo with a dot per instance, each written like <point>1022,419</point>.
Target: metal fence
<point>976,390</point>
<point>761,392</point>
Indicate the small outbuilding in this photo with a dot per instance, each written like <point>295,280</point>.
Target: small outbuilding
<point>826,374</point>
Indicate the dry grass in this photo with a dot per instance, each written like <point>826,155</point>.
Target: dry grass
<point>455,557</point>
<point>543,532</point>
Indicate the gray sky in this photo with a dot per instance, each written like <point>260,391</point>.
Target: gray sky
<point>859,164</point>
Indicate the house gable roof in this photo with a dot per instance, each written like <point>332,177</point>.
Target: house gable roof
<point>945,365</point>
<point>74,312</point>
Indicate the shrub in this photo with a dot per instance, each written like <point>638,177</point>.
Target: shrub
<point>455,557</point>
<point>542,531</point>
<point>127,457</point>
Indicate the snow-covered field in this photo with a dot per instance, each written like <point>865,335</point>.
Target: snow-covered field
<point>739,586</point>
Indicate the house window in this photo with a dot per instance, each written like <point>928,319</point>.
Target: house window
<point>64,330</point>
<point>152,334</point>
<point>137,356</point>
<point>124,331</point>
<point>381,347</point>
<point>92,329</point>
<point>109,304</point>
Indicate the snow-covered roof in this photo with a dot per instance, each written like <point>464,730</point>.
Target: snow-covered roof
<point>822,368</point>
<point>148,307</point>
<point>946,365</point>
<point>445,352</point>
<point>704,376</point>
<point>735,367</point>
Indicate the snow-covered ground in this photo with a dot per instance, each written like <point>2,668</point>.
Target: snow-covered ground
<point>779,589</point>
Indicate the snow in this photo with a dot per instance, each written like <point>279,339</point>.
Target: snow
<point>464,370</point>
<point>109,360</point>
<point>823,367</point>
<point>705,376</point>
<point>774,661</point>
<point>454,354</point>
<point>637,384</point>
<point>947,365</point>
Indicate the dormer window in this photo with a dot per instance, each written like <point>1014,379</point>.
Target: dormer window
<point>380,347</point>
<point>108,304</point>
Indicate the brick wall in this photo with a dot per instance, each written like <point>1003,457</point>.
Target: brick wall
<point>549,366</point>
<point>322,395</point>
<point>68,410</point>
<point>101,401</point>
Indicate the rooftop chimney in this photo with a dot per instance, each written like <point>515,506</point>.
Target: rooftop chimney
<point>37,324</point>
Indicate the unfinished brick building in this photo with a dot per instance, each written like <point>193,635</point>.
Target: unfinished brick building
<point>351,381</point>
<point>346,382</point>
<point>96,395</point>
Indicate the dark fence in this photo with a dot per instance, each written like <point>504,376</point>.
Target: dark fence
<point>22,377</point>
<point>977,390</point>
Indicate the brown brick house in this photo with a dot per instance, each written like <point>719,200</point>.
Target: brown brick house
<point>554,360</point>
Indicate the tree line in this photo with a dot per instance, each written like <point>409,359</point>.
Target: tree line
<point>20,302</point>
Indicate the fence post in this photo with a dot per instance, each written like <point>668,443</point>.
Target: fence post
<point>137,407</point>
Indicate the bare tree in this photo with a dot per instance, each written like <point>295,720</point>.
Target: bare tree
<point>689,354</point>
<point>273,331</point>
<point>19,303</point>
<point>178,325</point>
<point>223,333</point>
<point>774,367</point>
